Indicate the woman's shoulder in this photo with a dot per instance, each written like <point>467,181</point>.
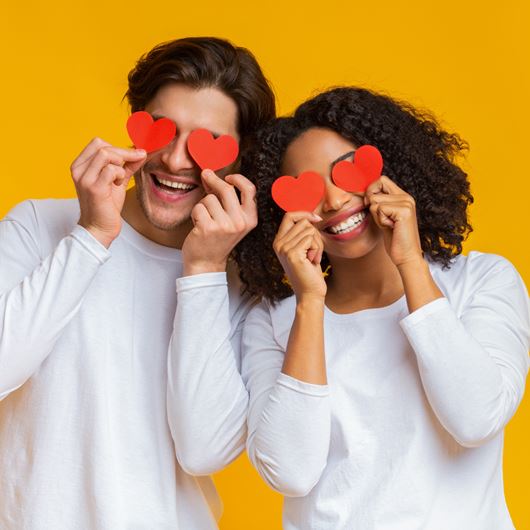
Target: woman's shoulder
<point>477,272</point>
<point>475,264</point>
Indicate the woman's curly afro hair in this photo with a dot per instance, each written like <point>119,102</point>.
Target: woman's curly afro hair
<point>418,156</point>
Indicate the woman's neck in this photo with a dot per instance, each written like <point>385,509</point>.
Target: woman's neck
<point>367,282</point>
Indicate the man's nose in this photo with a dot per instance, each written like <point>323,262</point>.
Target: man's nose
<point>176,156</point>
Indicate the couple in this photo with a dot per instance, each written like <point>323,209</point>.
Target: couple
<point>147,335</point>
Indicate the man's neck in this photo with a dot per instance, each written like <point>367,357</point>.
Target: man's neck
<point>133,214</point>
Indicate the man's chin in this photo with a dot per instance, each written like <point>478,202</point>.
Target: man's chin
<point>165,222</point>
<point>163,218</point>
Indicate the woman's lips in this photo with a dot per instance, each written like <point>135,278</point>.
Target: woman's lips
<point>350,233</point>
<point>342,216</point>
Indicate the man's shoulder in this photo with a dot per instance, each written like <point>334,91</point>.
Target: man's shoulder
<point>47,220</point>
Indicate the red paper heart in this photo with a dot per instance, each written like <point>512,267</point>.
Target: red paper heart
<point>356,176</point>
<point>149,134</point>
<point>212,153</point>
<point>298,194</point>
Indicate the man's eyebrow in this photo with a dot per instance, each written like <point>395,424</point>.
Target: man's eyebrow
<point>215,134</point>
<point>343,157</point>
<point>159,116</point>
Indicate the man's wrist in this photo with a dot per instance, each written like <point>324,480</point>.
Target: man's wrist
<point>190,269</point>
<point>104,238</point>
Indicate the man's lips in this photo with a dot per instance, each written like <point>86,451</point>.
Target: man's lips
<point>342,216</point>
<point>182,179</point>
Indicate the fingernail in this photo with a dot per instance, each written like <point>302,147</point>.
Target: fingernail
<point>317,217</point>
<point>207,173</point>
<point>141,152</point>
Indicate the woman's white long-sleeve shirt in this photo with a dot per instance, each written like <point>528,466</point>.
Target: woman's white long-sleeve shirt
<point>408,432</point>
<point>85,438</point>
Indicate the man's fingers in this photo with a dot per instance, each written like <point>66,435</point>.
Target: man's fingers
<point>200,215</point>
<point>132,167</point>
<point>88,152</point>
<point>248,192</point>
<point>215,209</point>
<point>105,156</point>
<point>111,174</point>
<point>223,190</point>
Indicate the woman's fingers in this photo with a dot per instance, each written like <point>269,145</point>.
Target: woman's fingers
<point>295,230</point>
<point>298,254</point>
<point>388,212</point>
<point>314,254</point>
<point>294,242</point>
<point>291,218</point>
<point>383,185</point>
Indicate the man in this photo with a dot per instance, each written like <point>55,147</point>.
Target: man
<point>88,298</point>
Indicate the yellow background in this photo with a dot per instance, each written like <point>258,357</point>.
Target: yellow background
<point>63,74</point>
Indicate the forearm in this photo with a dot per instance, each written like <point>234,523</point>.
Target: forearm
<point>289,441</point>
<point>305,358</point>
<point>207,400</point>
<point>473,391</point>
<point>420,287</point>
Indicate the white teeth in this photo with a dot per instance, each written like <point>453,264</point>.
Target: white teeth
<point>176,185</point>
<point>348,224</point>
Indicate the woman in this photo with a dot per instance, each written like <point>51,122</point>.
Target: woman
<point>378,392</point>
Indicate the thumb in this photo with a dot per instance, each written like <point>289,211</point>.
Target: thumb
<point>132,166</point>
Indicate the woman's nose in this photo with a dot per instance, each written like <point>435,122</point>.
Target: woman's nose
<point>334,198</point>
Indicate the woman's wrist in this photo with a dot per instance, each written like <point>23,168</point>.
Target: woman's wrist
<point>413,266</point>
<point>420,287</point>
<point>310,301</point>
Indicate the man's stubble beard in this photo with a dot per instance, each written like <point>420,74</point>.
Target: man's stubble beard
<point>141,194</point>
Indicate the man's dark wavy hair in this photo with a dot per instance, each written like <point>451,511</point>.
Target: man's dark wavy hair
<point>202,62</point>
<point>419,156</point>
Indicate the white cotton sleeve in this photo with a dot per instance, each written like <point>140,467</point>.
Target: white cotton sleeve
<point>39,296</point>
<point>206,400</point>
<point>473,366</point>
<point>289,421</point>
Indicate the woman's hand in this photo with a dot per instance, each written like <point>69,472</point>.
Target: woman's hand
<point>394,211</point>
<point>299,247</point>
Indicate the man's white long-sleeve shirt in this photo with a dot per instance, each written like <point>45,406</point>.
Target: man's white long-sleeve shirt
<point>85,439</point>
<point>408,432</point>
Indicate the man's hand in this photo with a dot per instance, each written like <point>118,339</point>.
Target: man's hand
<point>220,222</point>
<point>101,174</point>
